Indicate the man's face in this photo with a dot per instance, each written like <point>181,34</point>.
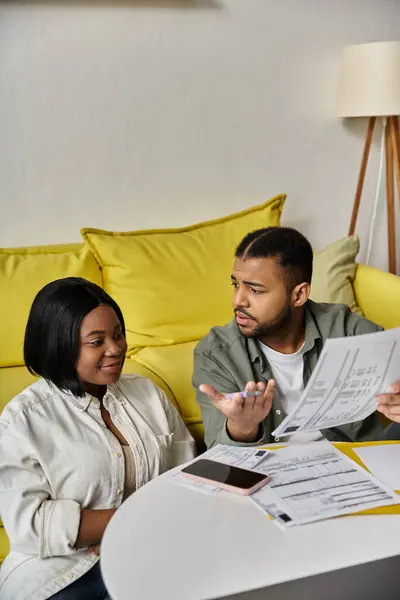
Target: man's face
<point>261,299</point>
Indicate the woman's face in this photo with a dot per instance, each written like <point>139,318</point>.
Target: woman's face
<point>102,348</point>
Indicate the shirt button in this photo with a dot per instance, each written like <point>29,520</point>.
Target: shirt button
<point>277,439</point>
<point>278,412</point>
<point>118,455</point>
<point>119,492</point>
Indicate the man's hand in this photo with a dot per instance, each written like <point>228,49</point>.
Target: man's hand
<point>244,415</point>
<point>389,404</point>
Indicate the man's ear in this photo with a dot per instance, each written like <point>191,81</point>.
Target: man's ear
<point>300,294</point>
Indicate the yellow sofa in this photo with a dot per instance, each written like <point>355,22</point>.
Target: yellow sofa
<point>168,364</point>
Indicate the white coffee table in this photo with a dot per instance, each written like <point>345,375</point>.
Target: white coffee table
<point>172,543</point>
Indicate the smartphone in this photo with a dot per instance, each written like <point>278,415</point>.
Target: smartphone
<point>233,479</point>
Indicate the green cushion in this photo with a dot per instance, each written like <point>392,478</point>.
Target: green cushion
<point>334,272</point>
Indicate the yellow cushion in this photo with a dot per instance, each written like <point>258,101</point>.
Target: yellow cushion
<point>133,366</point>
<point>13,380</point>
<point>4,544</point>
<point>173,285</point>
<point>334,271</point>
<point>174,364</point>
<point>23,272</point>
<point>378,294</point>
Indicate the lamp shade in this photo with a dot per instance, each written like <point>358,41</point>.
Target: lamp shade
<point>369,83</point>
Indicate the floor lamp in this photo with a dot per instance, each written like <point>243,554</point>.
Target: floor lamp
<point>370,87</point>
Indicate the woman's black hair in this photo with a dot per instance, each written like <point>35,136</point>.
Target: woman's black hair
<point>52,336</point>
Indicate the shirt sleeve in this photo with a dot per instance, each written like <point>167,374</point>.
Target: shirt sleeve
<point>357,325</point>
<point>35,523</point>
<point>183,445</point>
<point>209,371</point>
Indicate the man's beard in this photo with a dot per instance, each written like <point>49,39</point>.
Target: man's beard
<point>273,327</point>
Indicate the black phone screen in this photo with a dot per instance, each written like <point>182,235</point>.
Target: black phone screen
<point>235,476</point>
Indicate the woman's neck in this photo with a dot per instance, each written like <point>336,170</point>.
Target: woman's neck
<point>98,391</point>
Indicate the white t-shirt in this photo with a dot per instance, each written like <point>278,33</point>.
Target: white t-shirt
<point>287,370</point>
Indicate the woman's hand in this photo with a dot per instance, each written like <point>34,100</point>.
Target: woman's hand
<point>94,549</point>
<point>92,526</point>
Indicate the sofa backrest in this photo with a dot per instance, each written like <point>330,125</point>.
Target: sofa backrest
<point>23,272</point>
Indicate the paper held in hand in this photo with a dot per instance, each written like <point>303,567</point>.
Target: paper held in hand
<point>342,389</point>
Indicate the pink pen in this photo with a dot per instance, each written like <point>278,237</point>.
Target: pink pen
<point>243,394</point>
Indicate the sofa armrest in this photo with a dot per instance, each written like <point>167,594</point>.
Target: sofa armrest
<point>378,295</point>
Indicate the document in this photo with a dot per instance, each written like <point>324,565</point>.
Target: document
<point>349,374</point>
<point>383,461</point>
<point>315,481</point>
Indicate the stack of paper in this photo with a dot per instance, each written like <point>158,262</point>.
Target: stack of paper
<point>309,482</point>
<point>383,461</point>
<point>315,481</point>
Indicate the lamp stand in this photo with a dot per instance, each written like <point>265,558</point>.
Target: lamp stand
<point>392,153</point>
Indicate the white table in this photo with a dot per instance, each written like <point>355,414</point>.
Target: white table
<point>172,543</point>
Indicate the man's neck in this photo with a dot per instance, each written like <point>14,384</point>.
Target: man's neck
<point>290,338</point>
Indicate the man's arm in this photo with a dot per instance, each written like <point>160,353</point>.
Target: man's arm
<point>357,325</point>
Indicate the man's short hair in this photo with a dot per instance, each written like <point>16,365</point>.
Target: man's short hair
<point>52,336</point>
<point>291,250</point>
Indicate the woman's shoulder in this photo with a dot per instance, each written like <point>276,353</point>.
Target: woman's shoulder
<point>37,393</point>
<point>144,396</point>
<point>137,384</point>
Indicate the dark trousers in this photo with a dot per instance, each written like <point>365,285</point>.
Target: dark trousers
<point>88,587</point>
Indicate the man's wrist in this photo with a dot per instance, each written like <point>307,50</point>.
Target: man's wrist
<point>239,434</point>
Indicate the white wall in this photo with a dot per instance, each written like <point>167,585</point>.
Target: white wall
<point>139,114</point>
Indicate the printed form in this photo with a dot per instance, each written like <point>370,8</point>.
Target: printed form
<point>315,481</point>
<point>342,389</point>
<point>309,482</point>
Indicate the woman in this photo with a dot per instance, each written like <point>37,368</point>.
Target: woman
<point>76,443</point>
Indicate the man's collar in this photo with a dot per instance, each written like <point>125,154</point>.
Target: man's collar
<point>312,332</point>
<point>254,349</point>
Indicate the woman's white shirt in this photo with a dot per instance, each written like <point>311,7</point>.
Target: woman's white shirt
<point>57,457</point>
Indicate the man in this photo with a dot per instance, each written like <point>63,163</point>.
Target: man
<point>273,344</point>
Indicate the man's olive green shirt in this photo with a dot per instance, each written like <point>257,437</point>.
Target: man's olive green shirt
<point>227,360</point>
